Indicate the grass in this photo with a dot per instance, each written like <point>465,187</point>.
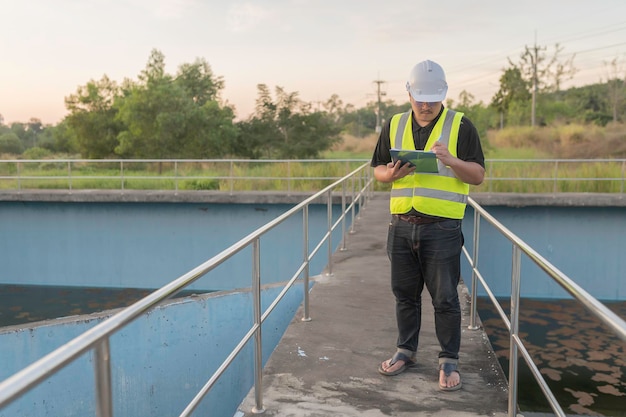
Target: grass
<point>353,147</point>
<point>221,175</point>
<point>569,141</point>
<point>519,159</point>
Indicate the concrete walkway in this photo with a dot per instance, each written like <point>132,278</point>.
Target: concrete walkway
<point>328,366</point>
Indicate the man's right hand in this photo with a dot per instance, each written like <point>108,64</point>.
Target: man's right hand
<point>393,171</point>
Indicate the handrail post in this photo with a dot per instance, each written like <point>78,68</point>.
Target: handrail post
<point>122,174</point>
<point>352,204</point>
<point>258,346</point>
<point>361,181</point>
<point>288,177</point>
<point>329,215</point>
<point>343,216</point>
<point>305,254</point>
<point>515,307</point>
<point>69,174</point>
<point>19,176</point>
<point>621,189</point>
<point>473,306</point>
<point>102,372</point>
<point>556,172</point>
<point>231,179</point>
<point>176,175</point>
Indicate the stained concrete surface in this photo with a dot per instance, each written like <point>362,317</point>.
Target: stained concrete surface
<point>328,366</point>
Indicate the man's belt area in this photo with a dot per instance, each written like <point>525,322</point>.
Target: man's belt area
<point>409,218</point>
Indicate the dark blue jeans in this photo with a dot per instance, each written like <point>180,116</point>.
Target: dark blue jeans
<point>427,254</point>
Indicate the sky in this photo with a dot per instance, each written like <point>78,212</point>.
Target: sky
<point>317,48</point>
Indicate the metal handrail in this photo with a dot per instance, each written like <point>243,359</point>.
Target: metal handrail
<point>603,313</point>
<point>68,173</point>
<point>552,175</point>
<point>97,338</point>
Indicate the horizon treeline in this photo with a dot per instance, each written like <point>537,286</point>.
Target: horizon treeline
<point>182,116</point>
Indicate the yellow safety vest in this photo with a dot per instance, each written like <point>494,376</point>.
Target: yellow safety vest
<point>439,194</point>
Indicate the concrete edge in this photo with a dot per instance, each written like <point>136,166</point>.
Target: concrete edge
<point>143,196</point>
<point>286,197</point>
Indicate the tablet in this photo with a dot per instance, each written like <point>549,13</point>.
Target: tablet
<point>424,161</point>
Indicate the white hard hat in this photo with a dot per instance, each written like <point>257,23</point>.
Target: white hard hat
<point>427,82</point>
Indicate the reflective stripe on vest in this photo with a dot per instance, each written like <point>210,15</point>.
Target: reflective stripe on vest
<point>438,194</point>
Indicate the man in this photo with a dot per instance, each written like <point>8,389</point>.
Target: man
<point>425,239</point>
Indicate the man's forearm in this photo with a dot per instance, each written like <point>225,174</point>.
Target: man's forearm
<point>469,172</point>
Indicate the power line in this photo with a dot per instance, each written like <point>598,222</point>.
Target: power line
<point>486,64</point>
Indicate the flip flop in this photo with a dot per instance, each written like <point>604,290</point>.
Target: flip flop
<point>399,356</point>
<point>447,369</point>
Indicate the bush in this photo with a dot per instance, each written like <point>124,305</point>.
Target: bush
<point>208,184</point>
<point>36,153</point>
<point>10,143</point>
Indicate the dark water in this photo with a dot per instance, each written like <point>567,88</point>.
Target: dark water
<point>581,360</point>
<point>583,363</point>
<point>20,304</point>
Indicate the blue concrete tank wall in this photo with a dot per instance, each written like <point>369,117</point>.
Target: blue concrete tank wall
<point>585,243</point>
<point>159,361</point>
<point>146,245</point>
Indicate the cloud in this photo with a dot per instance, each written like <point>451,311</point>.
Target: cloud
<point>246,17</point>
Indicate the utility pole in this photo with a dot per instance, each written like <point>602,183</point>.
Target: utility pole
<point>379,93</point>
<point>535,59</point>
<point>534,103</point>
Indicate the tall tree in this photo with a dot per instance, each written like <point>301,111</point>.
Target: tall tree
<point>175,117</point>
<point>64,138</point>
<point>286,127</point>
<point>513,88</point>
<point>149,111</point>
<point>544,73</point>
<point>92,119</point>
<point>199,82</point>
<point>10,143</point>
<point>616,85</point>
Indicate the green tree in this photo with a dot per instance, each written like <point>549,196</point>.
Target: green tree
<point>92,119</point>
<point>483,117</point>
<point>45,139</point>
<point>209,125</point>
<point>616,86</point>
<point>25,136</point>
<point>64,139</point>
<point>360,122</point>
<point>286,127</point>
<point>588,104</point>
<point>11,143</point>
<point>29,132</point>
<point>544,73</point>
<point>334,108</point>
<point>519,113</point>
<point>513,89</point>
<point>175,117</point>
<point>150,111</point>
<point>255,139</point>
<point>34,129</point>
<point>199,82</point>
<point>209,131</point>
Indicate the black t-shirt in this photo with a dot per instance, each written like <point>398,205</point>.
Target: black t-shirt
<point>468,146</point>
